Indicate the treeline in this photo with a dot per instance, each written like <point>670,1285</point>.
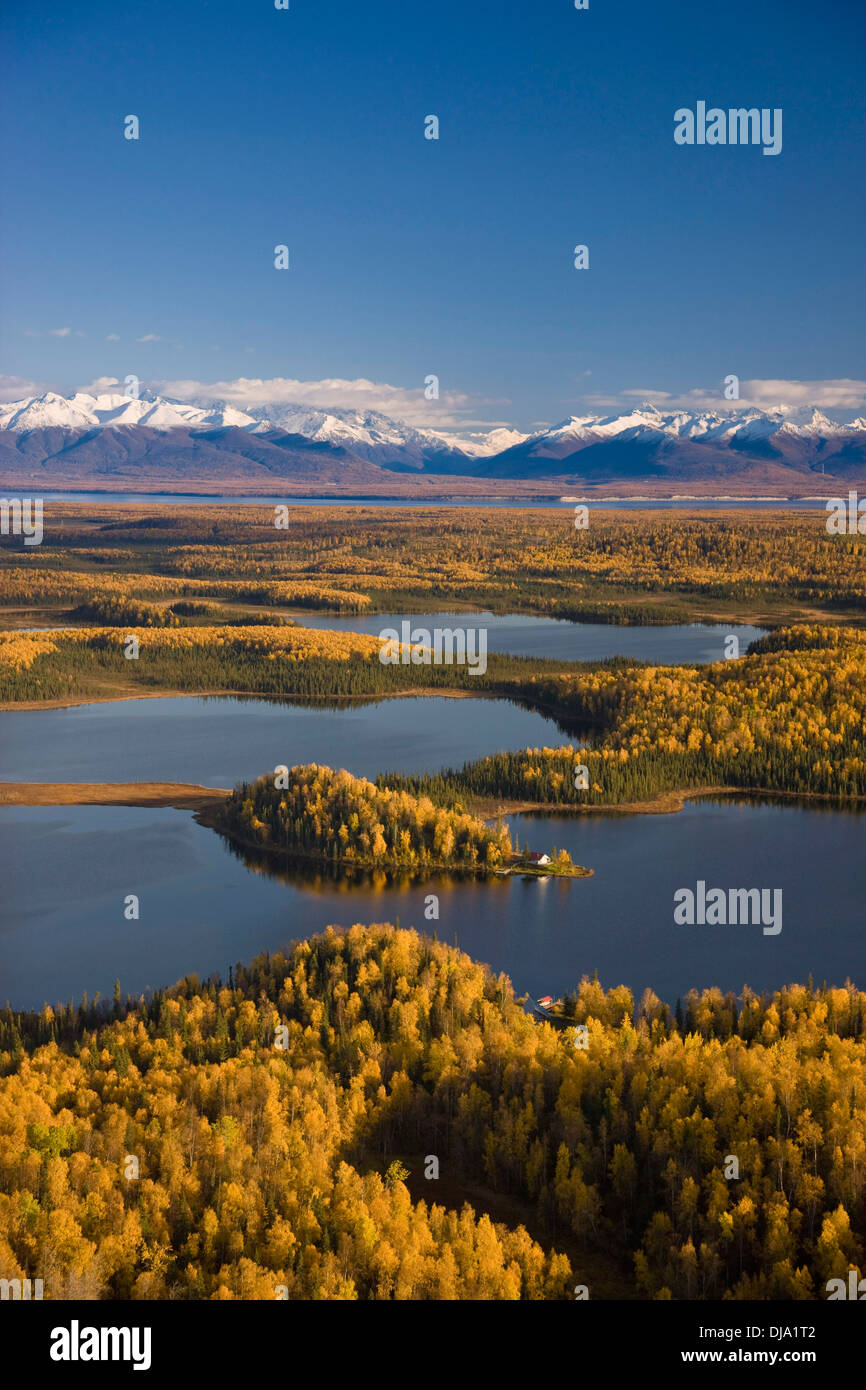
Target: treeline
<point>212,612</point>
<point>53,584</point>
<point>620,613</point>
<point>721,1155</point>
<point>113,611</point>
<point>248,657</point>
<point>319,813</point>
<point>547,775</point>
<point>626,566</point>
<point>787,717</point>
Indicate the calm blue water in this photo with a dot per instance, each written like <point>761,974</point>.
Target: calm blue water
<point>198,499</point>
<point>68,870</point>
<point>679,644</point>
<point>519,634</point>
<point>218,741</point>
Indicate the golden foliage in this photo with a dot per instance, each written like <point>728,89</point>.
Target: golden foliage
<point>262,1115</point>
<point>346,819</point>
<point>19,650</point>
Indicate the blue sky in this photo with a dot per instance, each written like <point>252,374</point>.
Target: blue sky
<point>453,257</point>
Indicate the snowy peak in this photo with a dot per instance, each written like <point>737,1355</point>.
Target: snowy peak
<point>110,409</point>
<point>811,422</point>
<point>644,441</point>
<point>374,436</point>
<point>653,444</point>
<point>43,412</point>
<point>353,429</point>
<point>367,431</point>
<point>482,445</point>
<point>364,432</point>
<point>704,426</point>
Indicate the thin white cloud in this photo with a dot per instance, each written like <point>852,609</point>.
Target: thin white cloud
<point>113,338</point>
<point>59,332</point>
<point>15,388</point>
<point>645,393</point>
<point>840,395</point>
<point>451,410</point>
<point>100,385</point>
<point>150,338</point>
<point>842,398</point>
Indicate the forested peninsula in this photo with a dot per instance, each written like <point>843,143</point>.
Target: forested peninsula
<point>313,812</point>
<point>269,1137</point>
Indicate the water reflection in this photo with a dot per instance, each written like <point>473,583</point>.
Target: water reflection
<point>216,741</point>
<point>318,875</point>
<point>205,906</point>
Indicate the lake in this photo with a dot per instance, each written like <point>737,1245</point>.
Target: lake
<point>68,870</point>
<point>521,634</point>
<point>261,500</point>
<point>216,741</point>
<point>517,634</point>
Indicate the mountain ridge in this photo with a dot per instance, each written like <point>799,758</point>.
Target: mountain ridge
<point>110,439</point>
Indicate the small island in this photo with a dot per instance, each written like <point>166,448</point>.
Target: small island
<point>311,812</point>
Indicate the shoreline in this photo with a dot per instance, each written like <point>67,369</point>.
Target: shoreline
<point>72,702</point>
<point>207,817</point>
<point>666,803</point>
<point>463,490</point>
<point>192,796</point>
<point>183,796</point>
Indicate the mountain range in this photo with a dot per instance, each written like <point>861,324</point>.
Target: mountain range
<point>118,443</point>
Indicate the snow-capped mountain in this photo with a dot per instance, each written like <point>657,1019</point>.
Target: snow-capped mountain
<point>705,427</point>
<point>109,435</point>
<point>483,445</point>
<point>374,436</point>
<point>82,411</point>
<point>651,443</point>
<point>366,434</point>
